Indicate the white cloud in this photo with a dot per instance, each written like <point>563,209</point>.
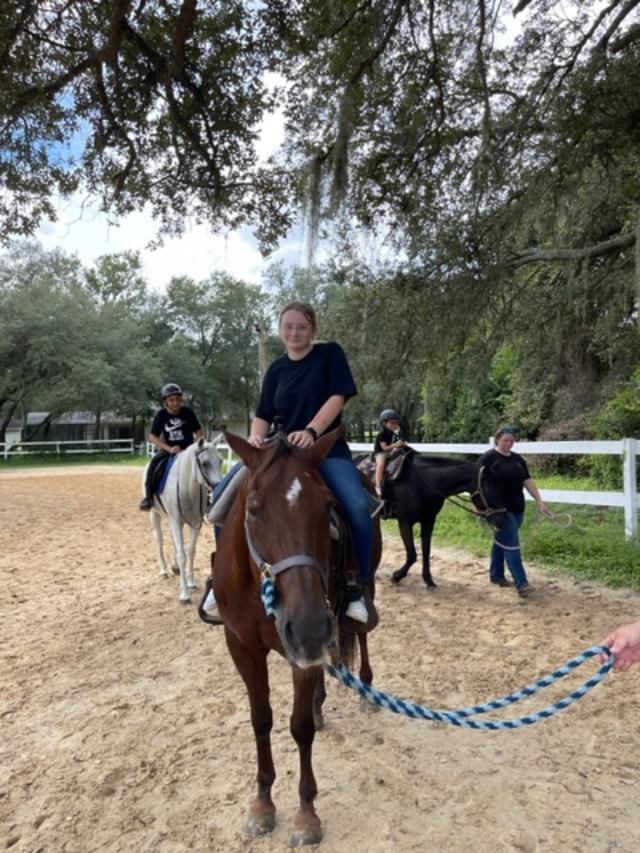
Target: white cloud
<point>84,231</point>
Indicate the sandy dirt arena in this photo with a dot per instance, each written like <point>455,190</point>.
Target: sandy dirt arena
<point>125,726</point>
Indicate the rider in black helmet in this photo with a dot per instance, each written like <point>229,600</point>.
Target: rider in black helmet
<point>387,440</point>
<point>174,428</point>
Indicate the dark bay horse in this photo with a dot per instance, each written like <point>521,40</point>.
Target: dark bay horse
<point>281,520</point>
<point>418,495</point>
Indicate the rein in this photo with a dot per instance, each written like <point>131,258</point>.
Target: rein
<point>203,489</point>
<point>480,514</point>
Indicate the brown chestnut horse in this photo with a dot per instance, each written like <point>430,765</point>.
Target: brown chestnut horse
<point>280,523</point>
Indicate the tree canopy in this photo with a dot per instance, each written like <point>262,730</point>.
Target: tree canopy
<point>492,148</point>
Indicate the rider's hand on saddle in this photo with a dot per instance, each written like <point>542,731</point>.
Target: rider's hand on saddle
<point>300,438</point>
<point>256,440</point>
<point>174,450</point>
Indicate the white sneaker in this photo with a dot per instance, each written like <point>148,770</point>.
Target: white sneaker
<point>210,605</point>
<point>358,610</point>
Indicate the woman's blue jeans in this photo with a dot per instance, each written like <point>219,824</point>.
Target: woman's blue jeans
<point>508,536</point>
<point>342,477</point>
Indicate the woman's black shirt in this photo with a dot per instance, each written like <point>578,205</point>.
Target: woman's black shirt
<point>508,473</point>
<point>294,391</point>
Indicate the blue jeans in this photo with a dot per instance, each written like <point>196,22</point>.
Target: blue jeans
<point>508,536</point>
<point>342,477</point>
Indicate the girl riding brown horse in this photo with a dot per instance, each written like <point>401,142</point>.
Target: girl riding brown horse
<point>280,527</point>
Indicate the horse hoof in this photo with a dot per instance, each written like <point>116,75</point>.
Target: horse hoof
<point>175,570</point>
<point>185,601</point>
<point>193,585</point>
<point>260,823</point>
<point>430,586</point>
<point>308,835</point>
<point>396,577</point>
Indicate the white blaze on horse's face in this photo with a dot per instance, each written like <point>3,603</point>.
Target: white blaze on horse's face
<point>294,490</point>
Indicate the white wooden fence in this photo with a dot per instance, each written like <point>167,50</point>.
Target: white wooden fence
<point>626,448</point>
<point>42,448</point>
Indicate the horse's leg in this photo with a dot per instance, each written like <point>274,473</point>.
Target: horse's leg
<point>426,529</point>
<point>319,695</point>
<point>181,557</point>
<point>191,554</point>
<point>253,669</point>
<point>406,531</point>
<point>307,828</point>
<point>156,523</point>
<point>365,673</point>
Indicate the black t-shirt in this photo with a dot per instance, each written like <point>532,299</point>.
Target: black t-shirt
<point>176,429</point>
<point>294,391</point>
<point>386,435</point>
<point>508,473</point>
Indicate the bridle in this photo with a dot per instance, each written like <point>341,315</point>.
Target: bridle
<point>270,570</point>
<point>488,510</point>
<point>484,513</point>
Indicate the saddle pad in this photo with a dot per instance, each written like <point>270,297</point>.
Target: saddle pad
<point>225,492</point>
<point>165,474</point>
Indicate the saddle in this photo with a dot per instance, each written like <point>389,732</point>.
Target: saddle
<point>397,460</point>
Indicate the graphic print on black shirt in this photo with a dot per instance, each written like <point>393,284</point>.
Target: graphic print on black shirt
<point>176,429</point>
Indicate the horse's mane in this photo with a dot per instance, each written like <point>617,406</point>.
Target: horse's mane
<point>280,448</point>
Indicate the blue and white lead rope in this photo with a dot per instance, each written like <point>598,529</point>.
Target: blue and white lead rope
<point>462,716</point>
<point>268,594</point>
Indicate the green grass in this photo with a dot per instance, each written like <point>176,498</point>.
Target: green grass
<point>37,461</point>
<point>593,546</point>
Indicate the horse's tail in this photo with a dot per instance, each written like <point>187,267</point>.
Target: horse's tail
<point>346,647</point>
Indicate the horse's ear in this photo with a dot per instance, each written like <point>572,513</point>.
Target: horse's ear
<point>201,441</point>
<point>247,452</point>
<point>321,448</point>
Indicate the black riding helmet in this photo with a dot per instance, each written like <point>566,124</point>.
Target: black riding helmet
<point>389,415</point>
<point>168,390</point>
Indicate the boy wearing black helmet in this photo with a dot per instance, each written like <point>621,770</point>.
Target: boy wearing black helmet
<point>387,440</point>
<point>174,428</point>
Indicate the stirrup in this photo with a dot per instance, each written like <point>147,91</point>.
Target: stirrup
<point>202,613</point>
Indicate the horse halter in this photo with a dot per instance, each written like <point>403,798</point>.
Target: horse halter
<point>488,510</point>
<point>270,570</point>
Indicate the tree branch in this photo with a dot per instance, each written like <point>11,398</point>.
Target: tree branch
<point>619,18</point>
<point>521,6</point>
<point>616,244</point>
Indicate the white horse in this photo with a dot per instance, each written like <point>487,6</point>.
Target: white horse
<point>184,501</point>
